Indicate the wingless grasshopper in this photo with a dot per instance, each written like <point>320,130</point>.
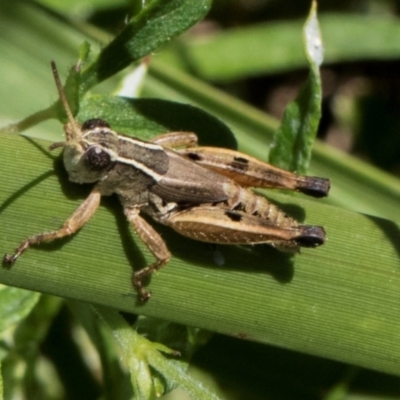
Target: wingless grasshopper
<point>200,192</point>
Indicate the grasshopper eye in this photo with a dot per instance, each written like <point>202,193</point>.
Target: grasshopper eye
<point>96,158</point>
<point>93,123</point>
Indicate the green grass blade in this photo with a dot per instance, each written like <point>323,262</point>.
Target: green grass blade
<point>339,301</point>
<point>276,47</point>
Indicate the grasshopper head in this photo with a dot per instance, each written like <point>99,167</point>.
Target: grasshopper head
<point>90,149</point>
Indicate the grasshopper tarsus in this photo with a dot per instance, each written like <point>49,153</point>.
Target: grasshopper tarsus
<point>139,276</point>
<point>9,260</point>
<point>137,282</point>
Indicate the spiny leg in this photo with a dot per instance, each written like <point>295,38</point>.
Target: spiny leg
<point>176,139</point>
<point>154,243</point>
<point>79,218</point>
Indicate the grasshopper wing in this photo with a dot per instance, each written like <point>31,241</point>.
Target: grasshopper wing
<point>249,172</point>
<point>187,182</point>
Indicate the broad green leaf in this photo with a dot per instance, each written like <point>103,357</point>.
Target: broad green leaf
<point>293,140</point>
<point>157,24</point>
<point>146,118</point>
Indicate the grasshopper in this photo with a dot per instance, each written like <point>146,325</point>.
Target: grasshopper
<point>200,192</point>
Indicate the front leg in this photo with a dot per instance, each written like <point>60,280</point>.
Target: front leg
<point>79,218</point>
<point>154,243</point>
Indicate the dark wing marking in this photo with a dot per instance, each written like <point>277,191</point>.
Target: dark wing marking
<point>187,182</point>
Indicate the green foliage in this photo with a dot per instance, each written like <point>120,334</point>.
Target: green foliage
<point>154,26</point>
<point>294,139</point>
<point>15,305</point>
<point>339,302</point>
<point>146,118</point>
<point>276,46</point>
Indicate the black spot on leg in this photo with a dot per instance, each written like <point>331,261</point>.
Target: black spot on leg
<point>194,156</point>
<point>234,216</point>
<point>241,160</point>
<point>240,163</point>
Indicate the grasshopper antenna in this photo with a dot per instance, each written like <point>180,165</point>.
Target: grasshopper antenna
<point>74,127</point>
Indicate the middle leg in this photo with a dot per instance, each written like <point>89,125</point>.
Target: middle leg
<point>154,243</point>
